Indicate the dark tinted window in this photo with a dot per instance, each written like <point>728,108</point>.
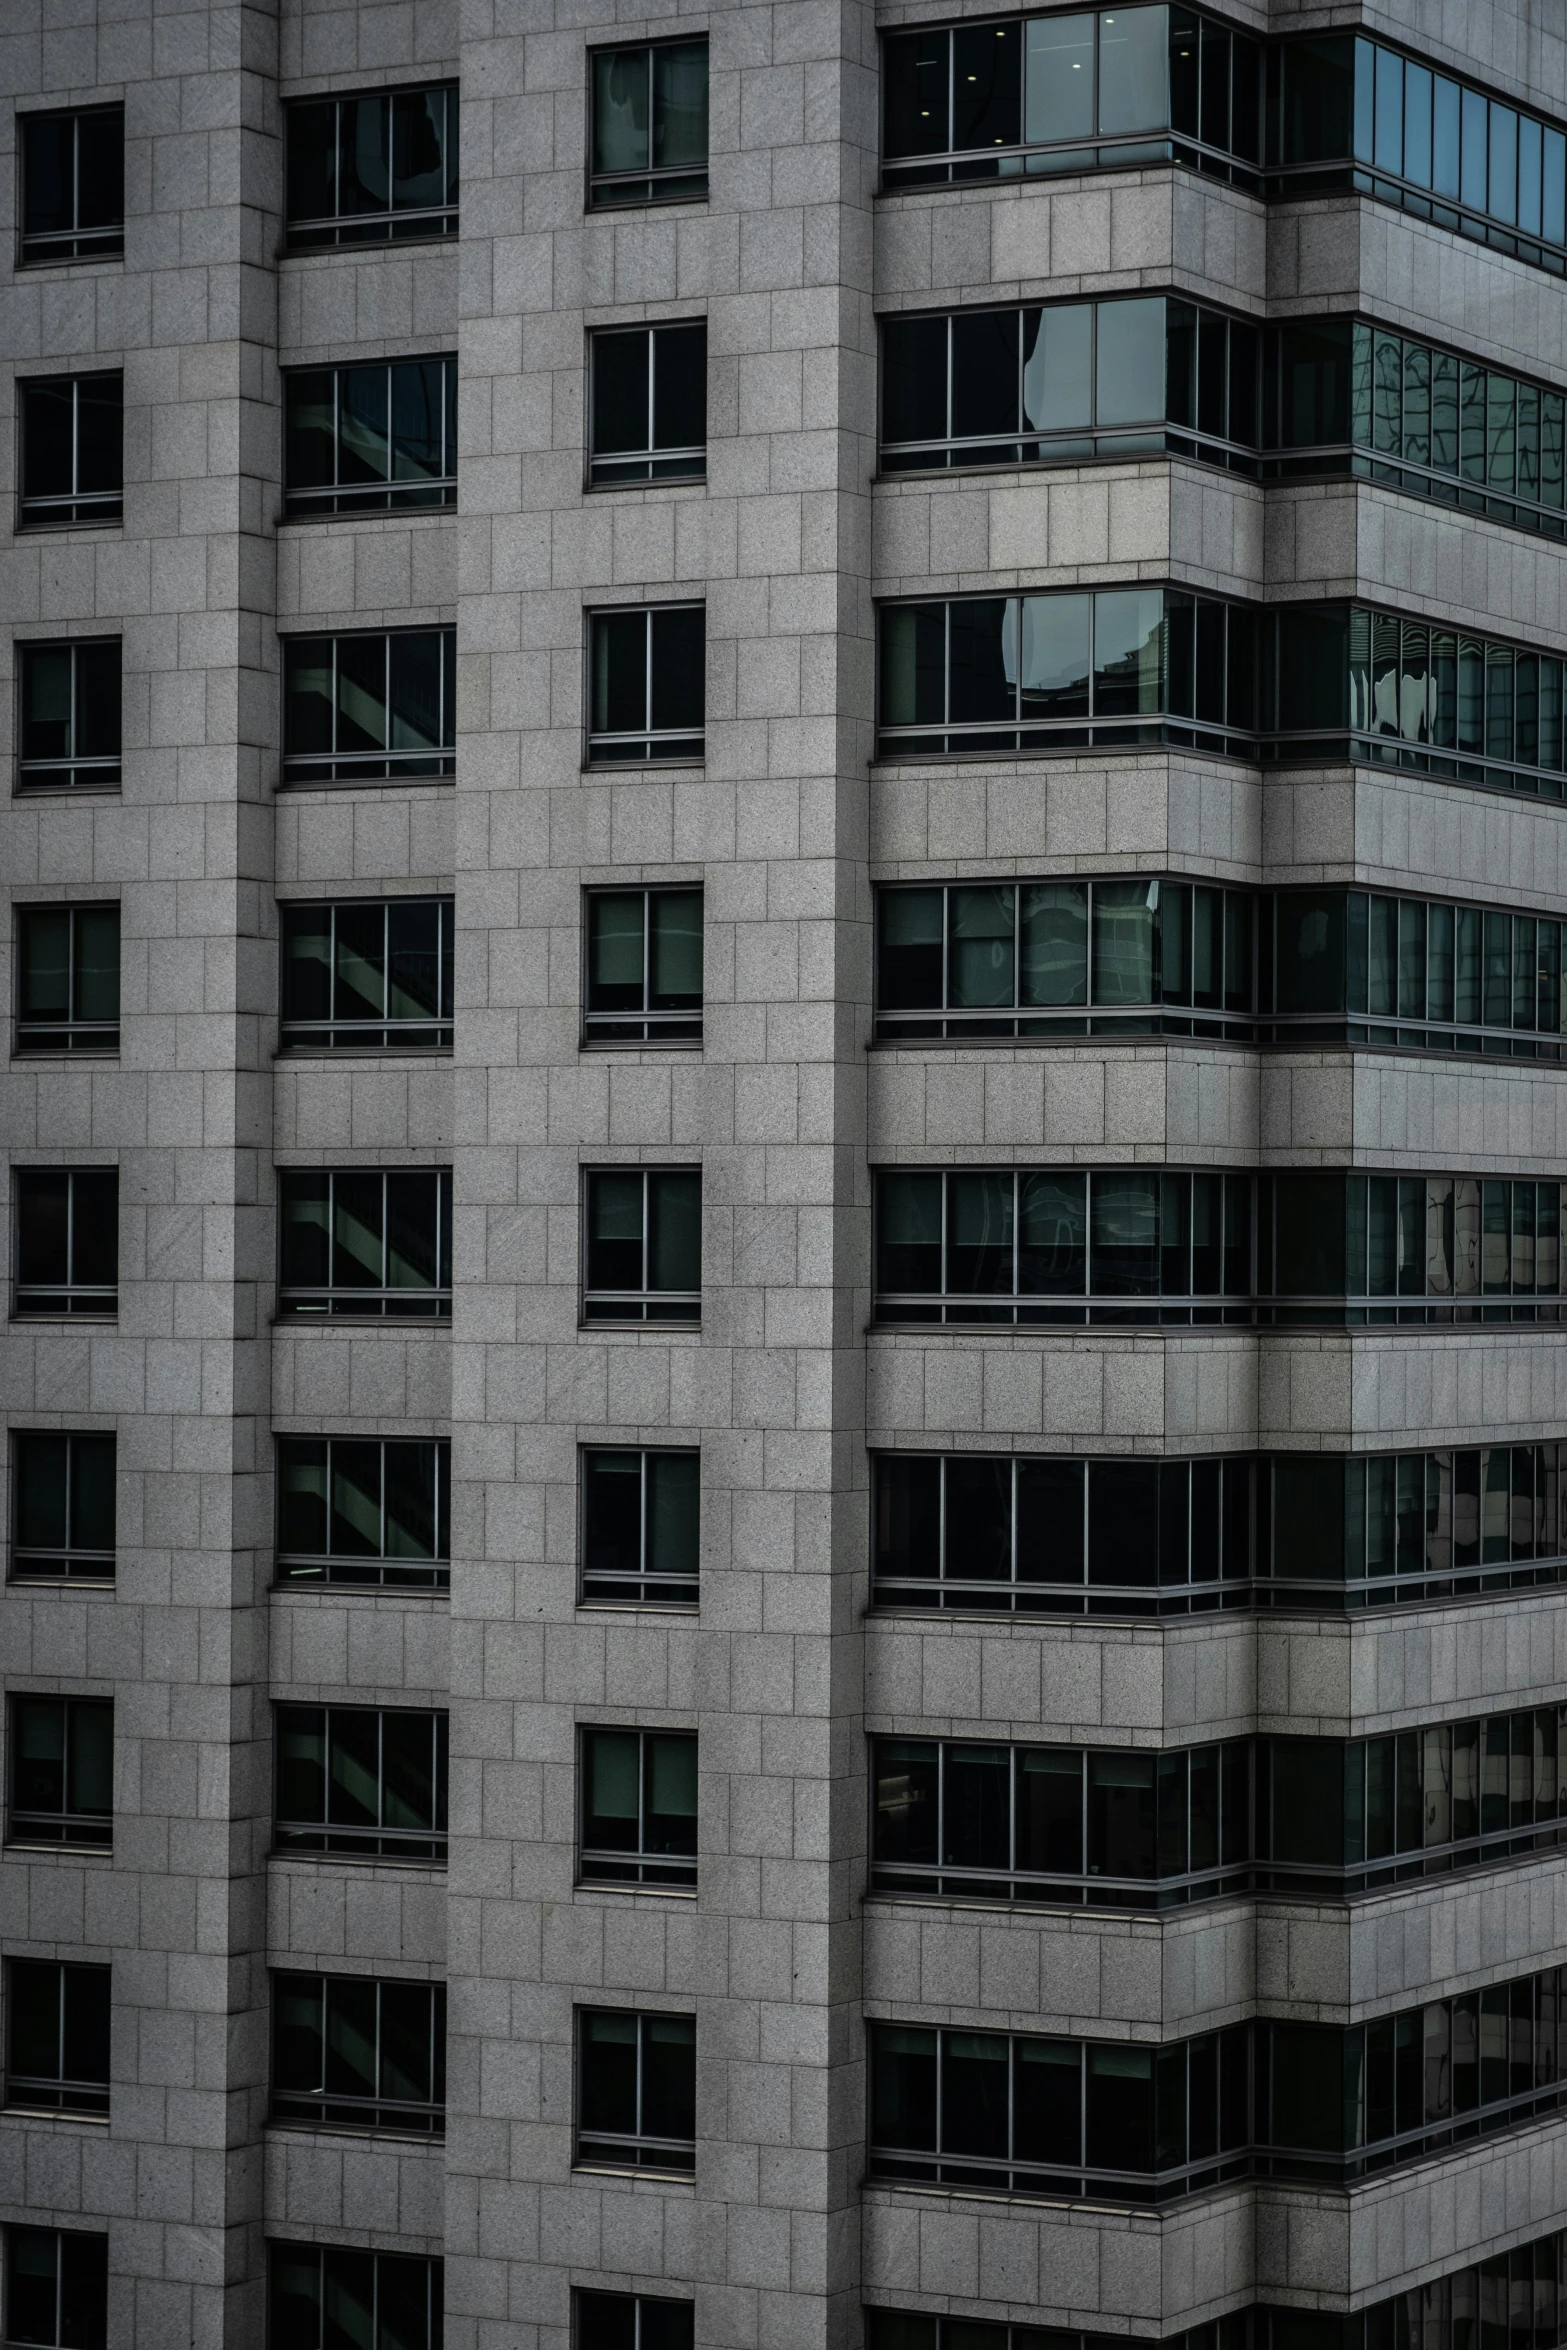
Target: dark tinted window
<point>72,448</point>
<point>649,135</point>
<point>62,1502</point>
<point>56,2288</point>
<point>73,185</point>
<point>367,169</point>
<point>649,403</point>
<point>369,708</point>
<point>68,979</point>
<point>364,1510</point>
<point>368,975</point>
<point>70,730</point>
<point>360,1241</point>
<point>647,686</point>
<point>57,2037</point>
<point>361,438</point>
<point>67,1240</point>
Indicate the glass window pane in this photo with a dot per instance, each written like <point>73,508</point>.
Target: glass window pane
<point>1052,1235</point>
<point>987,72</point>
<point>679,651</point>
<point>1058,370</point>
<point>1053,948</point>
<point>1125,926</point>
<point>418,405</point>
<point>1129,377</point>
<point>913,665</point>
<point>620,110</point>
<point>1060,77</point>
<point>680,104</point>
<point>980,955</point>
<point>1054,658</point>
<point>983,670</point>
<point>1134,69</point>
<point>985,372</point>
<point>913,377</point>
<point>418,173</point>
<point>1128,633</point>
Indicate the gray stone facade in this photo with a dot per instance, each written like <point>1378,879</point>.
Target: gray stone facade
<point>787,1388</point>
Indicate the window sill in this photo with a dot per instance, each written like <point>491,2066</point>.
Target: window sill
<point>26,1582</point>
<point>282,1853</point>
<point>696,767</point>
<point>619,1892</point>
<point>325,1587</point>
<point>19,2111</point>
<point>432,1325</point>
<point>48,1847</point>
<point>672,481</point>
<point>633,2176</point>
<point>27,529</point>
<point>357,2131</point>
<point>640,1044</point>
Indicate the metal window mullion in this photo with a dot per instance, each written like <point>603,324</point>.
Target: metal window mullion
<point>647,672</point>
<point>642,1561</point>
<point>946,638</point>
<point>941,1803</point>
<point>652,361</point>
<point>386,681</point>
<point>76,433</point>
<point>337,428</point>
<point>945,1181</point>
<point>1015,1243</point>
<point>380,1767</point>
<point>941,2118</point>
<point>950,384</point>
<point>335,696</point>
<point>946,947</point>
<point>647,951</point>
<point>60,2073</point>
<point>1012,1529</point>
<point>386,986</point>
<point>941,1519</point>
<point>70,1230</point>
<point>642,2022</point>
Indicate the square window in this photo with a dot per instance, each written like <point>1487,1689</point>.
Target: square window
<point>647,684</point>
<point>375,169</point>
<point>648,142</point>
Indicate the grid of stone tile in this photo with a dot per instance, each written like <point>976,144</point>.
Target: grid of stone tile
<point>785,1114</point>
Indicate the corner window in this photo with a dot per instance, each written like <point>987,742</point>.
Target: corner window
<point>1096,90</point>
<point>68,979</point>
<point>70,732</point>
<point>644,1246</point>
<point>647,684</point>
<point>369,708</point>
<point>67,1241</point>
<point>636,2090</point>
<point>1059,1536</point>
<point>1064,958</point>
<point>353,2053</point>
<point>638,1818</point>
<point>633,2321</point>
<point>373,169</point>
<point>365,1782</point>
<point>361,439</point>
<point>368,975</point>
<point>644,958</point>
<point>649,137</point>
<point>1069,382</point>
<point>56,2288</point>
<point>1112,1828</point>
<point>72,449</point>
<point>364,1510</point>
<point>62,1506</point>
<point>328,2294</point>
<point>1355,113</point>
<point>73,185</point>
<point>640,1527</point>
<point>57,2038</point>
<point>1062,1246</point>
<point>648,404</point>
<point>62,1772</point>
<point>363,1242</point>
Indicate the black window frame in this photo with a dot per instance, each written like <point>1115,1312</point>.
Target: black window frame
<point>644,1864</point>
<point>1185,1787</point>
<point>68,1826</point>
<point>383,1301</point>
<point>631,2321</point>
<point>1222,924</point>
<point>1339,1819</point>
<point>69,1299</point>
<point>1357,167</point>
<point>69,1562</point>
<point>60,2094</point>
<point>1166,2067</point>
<point>636,2148</point>
<point>647,744</point>
<point>76,508</point>
<point>422,493</point>
<point>80,2264</point>
<point>1388,412</point>
<point>50,248</point>
<point>386,763</point>
<point>644,1304</point>
<point>77,770</point>
<point>1375,1530</point>
<point>327,231</point>
<point>1211,1508</point>
<point>354,1033</point>
<point>377,1840</point>
<point>1228,1219</point>
<point>285,2329</point>
<point>1185,140</point>
<point>681,183</point>
<point>74,1035</point>
<point>644,1024</point>
<point>644,1585</point>
<point>298,1569</point>
<point>328,2108</point>
<point>659,462</point>
<point>1218,352</point>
